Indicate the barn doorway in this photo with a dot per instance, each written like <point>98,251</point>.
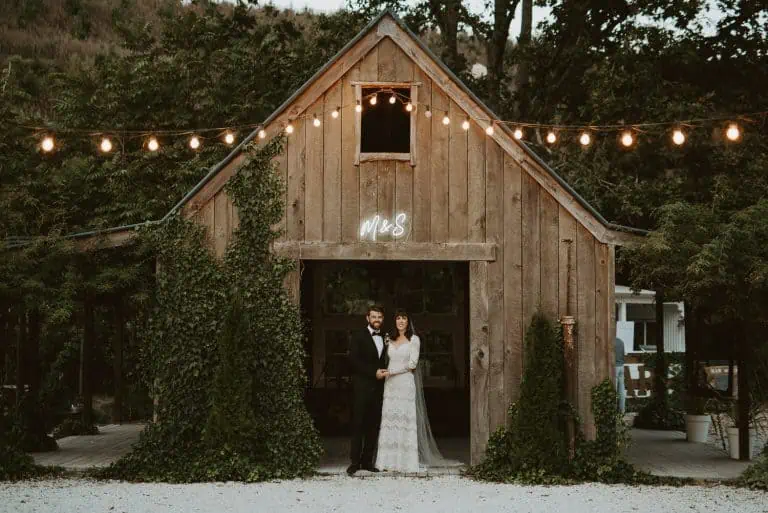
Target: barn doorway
<point>334,299</point>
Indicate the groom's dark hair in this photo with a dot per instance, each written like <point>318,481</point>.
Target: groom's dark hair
<point>375,308</point>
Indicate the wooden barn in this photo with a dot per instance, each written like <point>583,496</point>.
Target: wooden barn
<point>422,200</point>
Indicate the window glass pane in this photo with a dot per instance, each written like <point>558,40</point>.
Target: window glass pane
<point>385,127</point>
<point>639,339</point>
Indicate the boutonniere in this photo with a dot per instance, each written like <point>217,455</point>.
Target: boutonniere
<point>386,339</point>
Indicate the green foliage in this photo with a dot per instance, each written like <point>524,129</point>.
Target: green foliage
<point>534,449</point>
<point>756,476</point>
<point>232,418</point>
<point>72,426</point>
<point>15,463</point>
<point>229,376</point>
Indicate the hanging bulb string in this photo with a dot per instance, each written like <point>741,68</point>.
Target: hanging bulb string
<point>423,107</point>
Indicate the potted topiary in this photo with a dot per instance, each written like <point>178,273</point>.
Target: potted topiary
<point>697,420</point>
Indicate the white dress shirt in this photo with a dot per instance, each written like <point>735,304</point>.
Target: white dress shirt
<point>378,340</point>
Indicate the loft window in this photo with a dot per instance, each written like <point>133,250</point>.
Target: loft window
<point>386,129</point>
<point>386,126</point>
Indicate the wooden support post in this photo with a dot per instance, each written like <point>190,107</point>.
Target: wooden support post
<point>571,381</point>
<point>86,355</point>
<point>119,342</point>
<point>478,360</point>
<point>34,372</point>
<point>21,345</point>
<point>660,376</point>
<point>744,407</point>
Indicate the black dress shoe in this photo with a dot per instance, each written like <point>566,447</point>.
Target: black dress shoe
<point>371,469</point>
<point>352,469</point>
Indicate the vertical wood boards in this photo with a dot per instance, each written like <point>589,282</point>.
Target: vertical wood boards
<point>513,279</point>
<point>280,163</point>
<point>350,178</point>
<point>404,171</point>
<point>478,359</point>
<point>549,232</point>
<point>568,285</point>
<point>476,183</point>
<point>208,220</point>
<point>297,158</point>
<point>531,249</point>
<point>586,326</point>
<point>369,170</point>
<point>611,308</point>
<point>458,216</point>
<point>421,220</point>
<point>332,156</point>
<point>313,194</point>
<point>439,167</point>
<point>495,233</point>
<point>603,346</point>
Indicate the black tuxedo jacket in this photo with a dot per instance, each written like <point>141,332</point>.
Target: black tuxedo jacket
<point>364,361</point>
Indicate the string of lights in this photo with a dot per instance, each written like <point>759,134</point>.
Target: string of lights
<point>629,133</point>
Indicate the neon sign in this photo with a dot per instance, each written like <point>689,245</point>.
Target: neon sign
<point>377,226</point>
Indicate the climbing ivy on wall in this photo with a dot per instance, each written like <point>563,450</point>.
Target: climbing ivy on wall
<point>205,310</point>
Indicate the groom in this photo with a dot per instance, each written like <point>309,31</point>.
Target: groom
<point>368,360</point>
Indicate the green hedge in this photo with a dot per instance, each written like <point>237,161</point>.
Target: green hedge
<point>224,351</point>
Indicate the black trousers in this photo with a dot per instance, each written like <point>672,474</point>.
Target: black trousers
<point>366,421</point>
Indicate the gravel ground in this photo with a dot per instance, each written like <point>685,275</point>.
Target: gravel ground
<point>368,495</point>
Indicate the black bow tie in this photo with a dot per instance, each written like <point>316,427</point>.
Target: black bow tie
<point>376,332</point>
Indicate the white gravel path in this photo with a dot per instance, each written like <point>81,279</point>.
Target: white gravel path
<point>369,495</point>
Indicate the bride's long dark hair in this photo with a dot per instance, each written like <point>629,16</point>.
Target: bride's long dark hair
<point>409,330</point>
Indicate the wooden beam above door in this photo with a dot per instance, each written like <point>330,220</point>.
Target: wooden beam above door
<point>422,251</point>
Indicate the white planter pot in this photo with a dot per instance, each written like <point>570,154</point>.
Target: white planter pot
<point>697,427</point>
<point>733,442</point>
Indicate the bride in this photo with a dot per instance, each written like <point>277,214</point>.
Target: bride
<point>405,438</point>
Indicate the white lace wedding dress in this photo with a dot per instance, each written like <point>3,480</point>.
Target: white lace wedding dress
<point>398,437</point>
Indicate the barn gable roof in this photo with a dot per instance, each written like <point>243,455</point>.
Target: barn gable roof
<point>384,25</point>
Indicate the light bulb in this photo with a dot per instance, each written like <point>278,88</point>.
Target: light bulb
<point>335,113</point>
<point>262,134</point>
<point>47,144</point>
<point>358,107</point>
<point>316,121</point>
<point>194,142</point>
<point>153,145</point>
<point>518,134</point>
<point>627,139</point>
<point>465,124</point>
<point>289,128</point>
<point>489,130</point>
<point>229,138</point>
<point>446,120</point>
<point>409,107</point>
<point>106,145</point>
<point>373,100</point>
<point>678,137</point>
<point>392,99</point>
<point>551,138</point>
<point>733,133</point>
<point>585,139</point>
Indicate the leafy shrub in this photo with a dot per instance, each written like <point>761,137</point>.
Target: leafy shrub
<point>214,360</point>
<point>73,426</point>
<point>15,464</point>
<point>534,450</point>
<point>756,476</point>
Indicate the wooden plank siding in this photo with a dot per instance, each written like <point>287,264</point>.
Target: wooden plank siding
<point>494,171</point>
<point>467,198</point>
<point>514,327</point>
